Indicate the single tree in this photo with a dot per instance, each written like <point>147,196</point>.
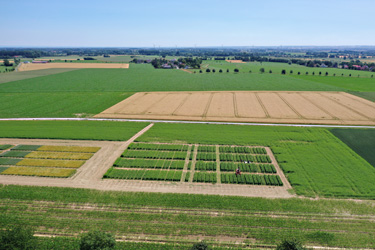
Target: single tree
<point>227,70</point>
<point>97,240</point>
<point>292,244</point>
<point>307,72</point>
<point>372,76</point>
<point>291,72</point>
<point>350,74</point>
<point>270,71</point>
<point>299,73</point>
<point>220,71</point>
<point>261,70</point>
<point>200,71</point>
<point>342,74</point>
<point>313,73</point>
<point>17,237</point>
<point>208,70</point>
<point>320,73</point>
<point>326,73</point>
<point>283,72</point>
<point>334,74</point>
<point>236,70</point>
<point>213,71</point>
<point>200,246</point>
<point>7,63</point>
<point>250,71</point>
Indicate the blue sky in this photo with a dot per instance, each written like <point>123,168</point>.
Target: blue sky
<point>167,23</point>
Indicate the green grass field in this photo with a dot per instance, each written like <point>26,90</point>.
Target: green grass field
<point>17,76</point>
<point>76,130</point>
<point>90,91</point>
<point>276,68</point>
<point>314,160</point>
<point>362,141</point>
<point>181,218</point>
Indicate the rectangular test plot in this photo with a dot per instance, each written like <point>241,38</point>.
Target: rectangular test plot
<point>222,105</point>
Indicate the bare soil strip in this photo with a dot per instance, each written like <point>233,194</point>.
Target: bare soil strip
<point>247,106</point>
<point>235,61</point>
<point>38,66</point>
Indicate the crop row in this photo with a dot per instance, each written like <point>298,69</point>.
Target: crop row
<point>165,147</point>
<point>69,149</point>
<point>206,156</point>
<point>245,158</point>
<point>39,171</point>
<point>205,177</point>
<point>151,154</point>
<point>50,163</point>
<point>6,146</point>
<point>143,163</point>
<point>211,149</point>
<point>205,166</point>
<point>246,167</point>
<point>272,180</point>
<point>156,175</point>
<point>241,150</point>
<point>15,154</point>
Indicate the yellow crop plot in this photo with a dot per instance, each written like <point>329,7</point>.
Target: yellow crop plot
<point>51,163</point>
<point>39,171</point>
<point>69,149</point>
<point>59,155</point>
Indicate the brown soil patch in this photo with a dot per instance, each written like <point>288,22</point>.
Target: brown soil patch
<point>38,66</point>
<point>186,70</point>
<point>247,106</point>
<point>235,61</point>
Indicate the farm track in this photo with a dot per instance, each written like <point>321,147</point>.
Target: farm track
<point>190,122</point>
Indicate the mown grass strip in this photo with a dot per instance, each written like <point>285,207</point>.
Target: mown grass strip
<point>59,155</point>
<point>69,149</point>
<point>48,163</point>
<point>39,171</point>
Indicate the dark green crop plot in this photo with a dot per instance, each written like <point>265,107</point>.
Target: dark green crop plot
<point>152,175</point>
<point>76,130</point>
<point>362,141</point>
<point>315,161</point>
<point>154,154</point>
<point>145,163</point>
<point>9,161</point>
<point>205,177</point>
<point>26,147</point>
<point>3,147</point>
<point>15,154</point>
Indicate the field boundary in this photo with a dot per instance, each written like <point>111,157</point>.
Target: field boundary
<point>190,122</point>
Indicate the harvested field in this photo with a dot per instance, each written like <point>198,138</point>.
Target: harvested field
<point>247,106</point>
<point>235,61</point>
<point>39,66</point>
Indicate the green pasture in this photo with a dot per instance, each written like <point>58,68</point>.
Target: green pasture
<point>76,130</point>
<point>276,68</point>
<point>182,218</point>
<point>3,68</point>
<point>57,104</point>
<point>315,161</point>
<point>17,76</point>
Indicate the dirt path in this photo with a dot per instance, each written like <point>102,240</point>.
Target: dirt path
<point>186,70</point>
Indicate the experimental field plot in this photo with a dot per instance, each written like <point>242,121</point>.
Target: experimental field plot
<point>247,106</point>
<point>189,163</point>
<point>45,161</point>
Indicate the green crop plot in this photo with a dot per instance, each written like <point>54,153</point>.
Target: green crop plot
<point>314,160</point>
<point>362,141</point>
<point>79,130</point>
